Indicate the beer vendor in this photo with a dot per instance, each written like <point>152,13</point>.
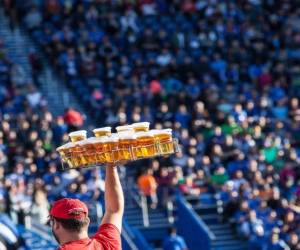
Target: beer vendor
<point>69,219</point>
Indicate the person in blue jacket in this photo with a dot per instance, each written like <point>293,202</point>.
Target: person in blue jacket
<point>174,241</point>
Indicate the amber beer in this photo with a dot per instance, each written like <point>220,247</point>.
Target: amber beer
<point>145,147</point>
<point>164,141</point>
<point>127,142</point>
<point>99,132</point>
<point>67,153</point>
<point>63,152</point>
<point>110,148</point>
<point>99,144</point>
<point>141,126</point>
<point>77,135</point>
<point>89,150</point>
<point>79,154</point>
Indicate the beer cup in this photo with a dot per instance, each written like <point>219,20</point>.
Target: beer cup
<point>127,143</point>
<point>106,149</point>
<point>79,153</point>
<point>77,135</point>
<point>145,147</point>
<point>141,126</point>
<point>111,148</point>
<point>99,149</point>
<point>164,142</point>
<point>62,150</point>
<point>89,150</point>
<point>67,153</point>
<point>106,131</point>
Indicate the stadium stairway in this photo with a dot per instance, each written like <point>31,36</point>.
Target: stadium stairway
<point>159,223</point>
<point>19,45</point>
<point>206,207</point>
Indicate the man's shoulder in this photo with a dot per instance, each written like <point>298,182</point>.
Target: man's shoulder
<point>108,229</point>
<point>109,236</point>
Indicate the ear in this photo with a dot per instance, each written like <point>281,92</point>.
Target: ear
<point>56,225</point>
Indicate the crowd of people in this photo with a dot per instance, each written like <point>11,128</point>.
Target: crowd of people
<point>29,165</point>
<point>224,75</point>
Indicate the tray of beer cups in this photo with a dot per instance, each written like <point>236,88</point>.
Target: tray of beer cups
<point>129,143</point>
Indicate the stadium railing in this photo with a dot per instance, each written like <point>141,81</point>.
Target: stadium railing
<point>132,239</point>
<point>196,234</point>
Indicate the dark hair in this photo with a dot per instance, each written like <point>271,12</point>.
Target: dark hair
<point>172,230</point>
<point>73,225</point>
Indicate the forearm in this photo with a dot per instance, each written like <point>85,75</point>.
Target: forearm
<point>114,198</point>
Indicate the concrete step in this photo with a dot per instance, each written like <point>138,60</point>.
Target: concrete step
<point>205,208</point>
<point>236,247</point>
<point>227,243</point>
<point>152,220</point>
<point>139,224</point>
<point>221,232</point>
<point>155,227</point>
<point>139,212</point>
<point>210,218</point>
<point>221,226</point>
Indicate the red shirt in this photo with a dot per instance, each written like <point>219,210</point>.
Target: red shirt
<point>107,237</point>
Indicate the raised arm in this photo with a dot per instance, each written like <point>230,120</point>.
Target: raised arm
<point>114,198</point>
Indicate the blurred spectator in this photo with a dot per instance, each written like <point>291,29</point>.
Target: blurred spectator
<point>18,75</point>
<point>36,64</point>
<point>33,18</point>
<point>174,241</point>
<point>164,183</point>
<point>40,207</point>
<point>148,186</point>
<point>73,119</point>
<point>189,187</point>
<point>34,97</point>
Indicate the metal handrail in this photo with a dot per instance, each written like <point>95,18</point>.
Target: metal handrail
<point>142,204</point>
<point>145,212</point>
<point>129,236</point>
<point>135,197</point>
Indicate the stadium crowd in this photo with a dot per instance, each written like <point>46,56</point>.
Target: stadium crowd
<point>29,134</point>
<point>224,75</point>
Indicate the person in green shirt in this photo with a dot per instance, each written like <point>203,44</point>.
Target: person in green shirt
<point>219,176</point>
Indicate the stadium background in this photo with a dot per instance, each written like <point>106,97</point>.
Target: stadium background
<point>224,75</point>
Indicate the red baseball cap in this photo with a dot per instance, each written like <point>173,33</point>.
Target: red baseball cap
<point>67,208</point>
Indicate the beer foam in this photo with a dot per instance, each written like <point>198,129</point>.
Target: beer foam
<point>141,124</point>
<point>168,130</point>
<point>124,128</point>
<point>144,134</point>
<point>113,137</point>
<point>60,147</point>
<point>78,133</point>
<point>103,139</point>
<point>104,129</point>
<point>89,140</point>
<point>94,139</point>
<point>161,131</point>
<point>68,145</point>
<point>127,135</point>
